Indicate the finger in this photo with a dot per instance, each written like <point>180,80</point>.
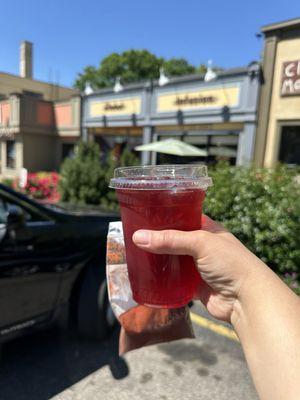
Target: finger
<point>169,242</point>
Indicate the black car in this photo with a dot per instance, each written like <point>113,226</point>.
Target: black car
<point>52,268</point>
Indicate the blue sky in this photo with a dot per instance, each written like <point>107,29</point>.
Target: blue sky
<point>69,35</point>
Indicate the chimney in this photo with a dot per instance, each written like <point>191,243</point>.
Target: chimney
<point>26,59</point>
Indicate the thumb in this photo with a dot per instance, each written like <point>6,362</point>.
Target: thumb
<point>169,242</point>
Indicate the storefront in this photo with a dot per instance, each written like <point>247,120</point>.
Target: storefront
<point>278,134</point>
<point>115,121</point>
<point>219,116</point>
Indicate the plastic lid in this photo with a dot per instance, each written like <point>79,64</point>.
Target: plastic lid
<point>161,177</point>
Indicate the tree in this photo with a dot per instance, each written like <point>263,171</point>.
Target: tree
<point>131,66</point>
<point>177,67</point>
<point>202,69</point>
<point>82,177</point>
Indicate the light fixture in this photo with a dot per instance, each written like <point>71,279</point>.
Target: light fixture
<point>88,89</point>
<point>163,79</point>
<point>118,86</point>
<point>210,73</point>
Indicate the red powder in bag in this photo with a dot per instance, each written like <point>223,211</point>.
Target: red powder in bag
<point>140,325</point>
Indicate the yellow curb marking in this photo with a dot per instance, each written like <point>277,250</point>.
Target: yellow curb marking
<point>217,328</point>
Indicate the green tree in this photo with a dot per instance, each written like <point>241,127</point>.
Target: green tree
<point>178,67</point>
<point>83,177</point>
<point>131,66</point>
<point>202,69</point>
<point>128,158</point>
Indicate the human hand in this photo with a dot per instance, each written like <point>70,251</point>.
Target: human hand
<point>223,262</point>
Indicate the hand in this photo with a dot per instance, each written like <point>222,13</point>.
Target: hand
<point>221,259</point>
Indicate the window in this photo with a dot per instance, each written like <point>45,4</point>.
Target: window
<point>3,212</point>
<point>290,145</point>
<point>30,214</point>
<point>68,150</point>
<point>11,154</point>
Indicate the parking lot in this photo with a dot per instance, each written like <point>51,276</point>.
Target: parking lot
<point>53,365</point>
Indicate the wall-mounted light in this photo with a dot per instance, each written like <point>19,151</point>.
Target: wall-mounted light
<point>118,86</point>
<point>88,89</point>
<point>133,119</point>
<point>210,73</point>
<point>163,79</point>
<point>180,117</point>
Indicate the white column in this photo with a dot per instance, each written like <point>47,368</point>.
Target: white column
<point>147,137</point>
<point>245,151</point>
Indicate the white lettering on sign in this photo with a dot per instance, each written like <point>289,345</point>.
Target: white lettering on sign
<point>290,80</point>
<point>297,85</point>
<point>289,70</point>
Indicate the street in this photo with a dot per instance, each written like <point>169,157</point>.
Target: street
<point>52,365</point>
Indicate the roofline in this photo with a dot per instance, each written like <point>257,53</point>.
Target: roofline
<point>283,25</point>
<point>39,81</point>
<point>174,80</point>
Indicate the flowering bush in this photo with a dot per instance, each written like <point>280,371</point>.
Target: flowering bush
<point>42,186</point>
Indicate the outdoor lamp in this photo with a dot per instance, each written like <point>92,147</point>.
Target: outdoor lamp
<point>88,89</point>
<point>118,86</point>
<point>210,74</point>
<point>163,79</point>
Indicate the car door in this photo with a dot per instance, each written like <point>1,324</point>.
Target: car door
<point>29,264</point>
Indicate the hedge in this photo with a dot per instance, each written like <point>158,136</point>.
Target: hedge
<point>262,208</point>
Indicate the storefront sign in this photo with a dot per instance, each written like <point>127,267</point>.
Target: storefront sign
<point>290,81</point>
<point>200,99</point>
<point>115,107</point>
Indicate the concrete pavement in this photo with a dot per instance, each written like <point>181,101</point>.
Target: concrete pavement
<point>49,365</point>
<point>208,367</point>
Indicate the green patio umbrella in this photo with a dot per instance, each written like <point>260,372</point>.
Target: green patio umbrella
<point>174,147</point>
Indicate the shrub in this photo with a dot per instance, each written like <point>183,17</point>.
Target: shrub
<point>85,178</point>
<point>82,177</point>
<point>261,207</point>
<point>109,201</point>
<point>8,182</point>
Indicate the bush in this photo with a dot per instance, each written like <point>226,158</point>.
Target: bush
<point>8,182</point>
<point>85,179</point>
<point>82,178</point>
<point>261,207</point>
<point>109,201</point>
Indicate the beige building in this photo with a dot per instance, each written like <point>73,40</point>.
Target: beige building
<point>39,121</point>
<point>278,132</point>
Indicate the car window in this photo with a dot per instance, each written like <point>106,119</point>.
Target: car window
<point>2,212</point>
<point>30,216</point>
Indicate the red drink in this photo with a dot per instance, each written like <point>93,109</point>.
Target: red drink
<point>160,280</point>
<point>157,198</point>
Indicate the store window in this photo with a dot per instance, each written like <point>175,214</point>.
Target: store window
<point>11,154</point>
<point>68,150</point>
<point>290,145</point>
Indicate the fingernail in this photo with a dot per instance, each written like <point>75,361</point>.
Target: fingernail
<point>142,237</point>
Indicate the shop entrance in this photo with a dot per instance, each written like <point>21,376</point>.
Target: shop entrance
<point>116,140</point>
<point>290,145</point>
<point>219,145</point>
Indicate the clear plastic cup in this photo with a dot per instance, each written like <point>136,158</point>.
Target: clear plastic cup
<point>161,197</point>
